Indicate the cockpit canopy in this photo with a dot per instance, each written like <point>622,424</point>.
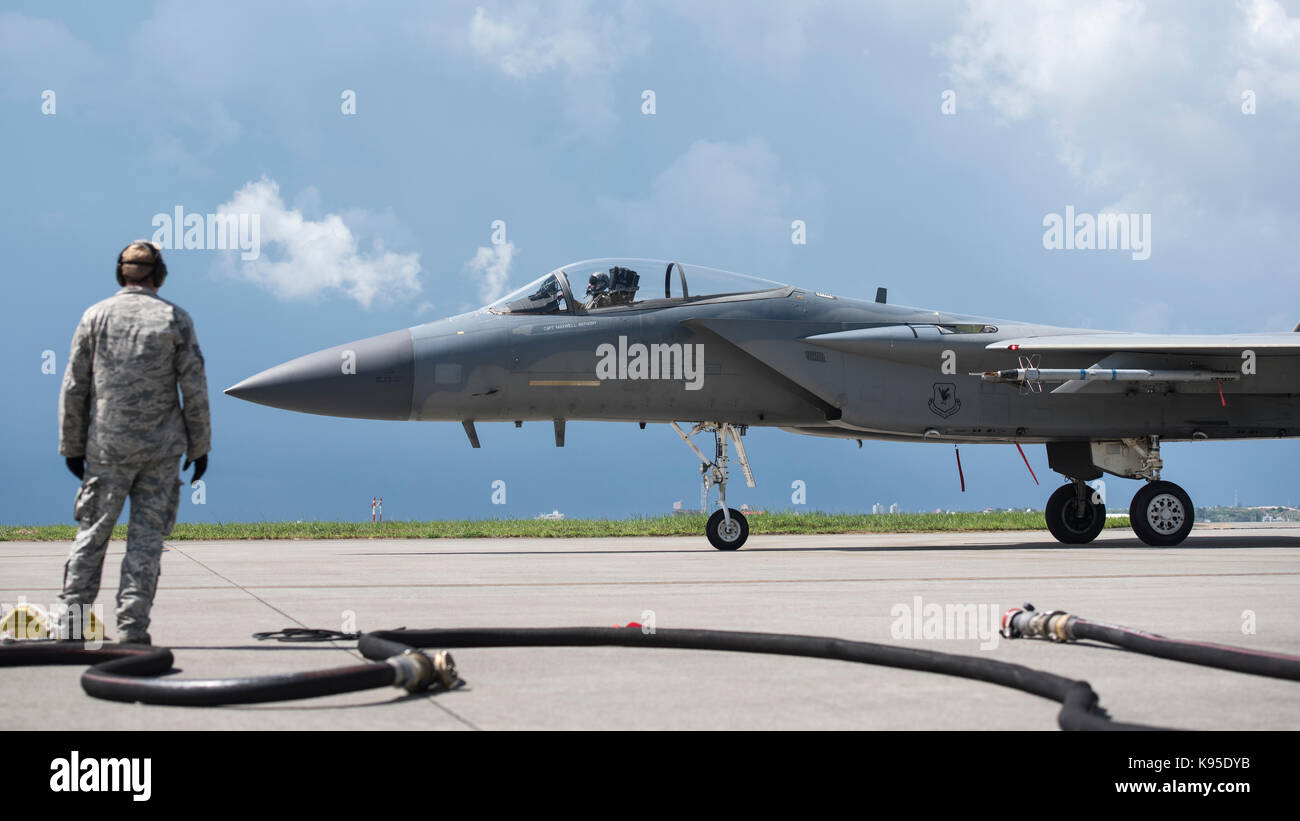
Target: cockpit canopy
<point>627,284</point>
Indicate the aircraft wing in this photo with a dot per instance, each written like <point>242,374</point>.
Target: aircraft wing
<point>1107,343</point>
<point>769,342</point>
<point>1121,358</point>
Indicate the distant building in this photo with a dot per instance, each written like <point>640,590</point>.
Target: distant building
<point>894,508</point>
<point>1257,513</point>
<point>554,514</point>
<point>680,509</point>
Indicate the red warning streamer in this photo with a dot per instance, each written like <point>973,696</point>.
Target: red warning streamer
<point>1026,458</point>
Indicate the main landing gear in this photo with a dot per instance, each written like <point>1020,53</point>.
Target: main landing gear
<point>727,528</point>
<point>1161,513</point>
<point>1075,513</point>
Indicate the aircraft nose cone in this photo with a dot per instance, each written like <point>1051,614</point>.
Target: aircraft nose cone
<point>367,379</point>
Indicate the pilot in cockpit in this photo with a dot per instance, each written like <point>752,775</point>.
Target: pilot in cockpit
<point>618,287</point>
<point>597,290</point>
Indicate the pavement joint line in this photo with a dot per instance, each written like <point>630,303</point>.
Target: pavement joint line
<point>430,698</point>
<point>352,651</point>
<point>696,582</point>
<point>232,583</point>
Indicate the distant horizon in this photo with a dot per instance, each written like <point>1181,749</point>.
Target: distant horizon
<point>669,513</point>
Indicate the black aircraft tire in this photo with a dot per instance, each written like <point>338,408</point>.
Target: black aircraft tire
<point>722,538</point>
<point>1161,514</point>
<point>1064,522</point>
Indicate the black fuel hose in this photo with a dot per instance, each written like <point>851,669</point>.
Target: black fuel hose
<point>1079,704</point>
<point>1057,625</point>
<point>1240,659</point>
<point>119,672</point>
<point>125,672</point>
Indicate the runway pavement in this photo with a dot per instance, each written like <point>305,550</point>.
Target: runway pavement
<point>1236,586</point>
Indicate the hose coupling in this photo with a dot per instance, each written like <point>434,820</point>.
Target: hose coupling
<point>417,670</point>
<point>1025,622</point>
<point>444,667</point>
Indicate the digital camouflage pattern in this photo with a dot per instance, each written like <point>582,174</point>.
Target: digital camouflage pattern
<point>119,402</point>
<point>154,490</point>
<point>120,410</point>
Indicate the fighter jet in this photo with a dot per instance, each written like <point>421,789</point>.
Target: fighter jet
<point>722,352</point>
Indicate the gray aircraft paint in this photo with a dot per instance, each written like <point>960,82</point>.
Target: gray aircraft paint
<point>786,358</point>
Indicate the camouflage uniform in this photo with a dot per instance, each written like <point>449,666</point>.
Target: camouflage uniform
<point>119,409</point>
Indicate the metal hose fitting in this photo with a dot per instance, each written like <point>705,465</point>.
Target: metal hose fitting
<point>417,670</point>
<point>1025,622</point>
<point>414,671</point>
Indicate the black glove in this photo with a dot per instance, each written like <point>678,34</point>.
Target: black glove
<point>200,467</point>
<point>77,464</point>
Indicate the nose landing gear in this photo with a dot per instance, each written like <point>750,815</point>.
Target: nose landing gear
<point>727,528</point>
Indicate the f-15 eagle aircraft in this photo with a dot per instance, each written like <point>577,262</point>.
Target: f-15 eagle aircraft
<point>598,341</point>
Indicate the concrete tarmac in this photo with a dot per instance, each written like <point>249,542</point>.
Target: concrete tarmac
<point>1238,586</point>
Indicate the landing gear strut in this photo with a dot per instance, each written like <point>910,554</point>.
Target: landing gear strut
<point>1161,513</point>
<point>1075,514</point>
<point>727,528</point>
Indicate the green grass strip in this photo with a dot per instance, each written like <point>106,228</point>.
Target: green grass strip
<point>691,525</point>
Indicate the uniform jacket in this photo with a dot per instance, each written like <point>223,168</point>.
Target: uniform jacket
<point>119,401</point>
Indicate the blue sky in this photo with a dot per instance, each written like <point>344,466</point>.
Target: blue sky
<point>530,113</point>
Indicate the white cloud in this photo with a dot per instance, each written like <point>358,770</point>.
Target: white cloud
<point>1127,91</point>
<point>1268,49</point>
<point>303,258</point>
<point>1058,54</point>
<point>735,192</point>
<point>1140,104</point>
<point>585,43</point>
<point>571,36</point>
<point>1139,97</point>
<point>490,266</point>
